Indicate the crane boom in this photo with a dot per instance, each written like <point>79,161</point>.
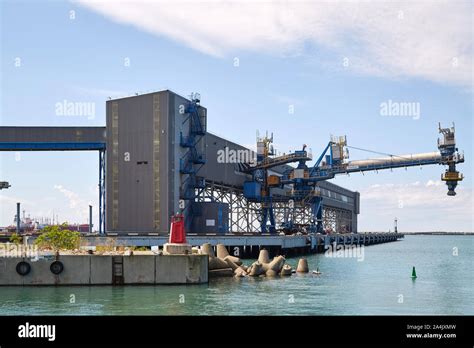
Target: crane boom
<point>390,162</point>
<point>302,179</point>
<point>401,160</point>
<point>336,162</point>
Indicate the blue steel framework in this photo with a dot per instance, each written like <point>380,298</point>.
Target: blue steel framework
<point>303,179</point>
<point>60,146</point>
<point>193,159</point>
<point>245,215</point>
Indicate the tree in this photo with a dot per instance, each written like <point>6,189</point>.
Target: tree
<point>58,238</point>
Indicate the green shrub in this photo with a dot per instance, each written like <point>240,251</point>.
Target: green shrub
<point>141,248</point>
<point>57,238</point>
<point>15,238</point>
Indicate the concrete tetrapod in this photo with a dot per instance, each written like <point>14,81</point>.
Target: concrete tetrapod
<point>263,256</point>
<point>302,266</point>
<point>223,254</point>
<point>214,262</point>
<point>223,264</point>
<point>217,263</point>
<point>231,264</point>
<point>271,273</point>
<point>264,266</point>
<point>222,272</point>
<point>206,248</point>
<point>221,251</point>
<point>264,259</point>
<point>286,270</point>
<point>240,272</point>
<point>255,269</point>
<point>276,264</point>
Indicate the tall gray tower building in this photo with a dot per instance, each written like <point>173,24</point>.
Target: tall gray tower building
<point>146,160</point>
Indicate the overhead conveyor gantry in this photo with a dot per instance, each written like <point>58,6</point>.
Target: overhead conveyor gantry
<point>60,139</point>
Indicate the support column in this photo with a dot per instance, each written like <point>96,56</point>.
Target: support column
<point>90,218</point>
<point>18,218</point>
<point>101,192</point>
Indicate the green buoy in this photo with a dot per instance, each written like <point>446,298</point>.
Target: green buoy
<point>413,273</point>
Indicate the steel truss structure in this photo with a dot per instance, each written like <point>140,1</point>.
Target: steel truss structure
<point>245,216</point>
<point>337,220</point>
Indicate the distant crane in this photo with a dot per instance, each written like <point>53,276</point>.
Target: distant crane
<point>4,185</point>
<point>300,182</point>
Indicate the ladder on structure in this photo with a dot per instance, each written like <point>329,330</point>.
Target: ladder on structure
<point>117,270</point>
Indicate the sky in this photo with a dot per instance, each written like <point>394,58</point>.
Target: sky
<point>303,70</point>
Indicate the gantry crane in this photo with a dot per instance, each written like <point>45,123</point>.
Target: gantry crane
<point>300,183</point>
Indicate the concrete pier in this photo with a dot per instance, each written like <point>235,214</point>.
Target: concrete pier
<point>248,246</point>
<point>108,270</point>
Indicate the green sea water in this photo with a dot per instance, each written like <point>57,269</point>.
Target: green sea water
<point>379,284</point>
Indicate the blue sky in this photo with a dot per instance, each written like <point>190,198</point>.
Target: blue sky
<point>334,64</point>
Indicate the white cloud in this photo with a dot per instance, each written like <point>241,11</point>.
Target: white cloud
<point>76,209</point>
<point>425,39</point>
<point>77,204</point>
<point>434,183</point>
<point>73,197</point>
<point>422,206</point>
